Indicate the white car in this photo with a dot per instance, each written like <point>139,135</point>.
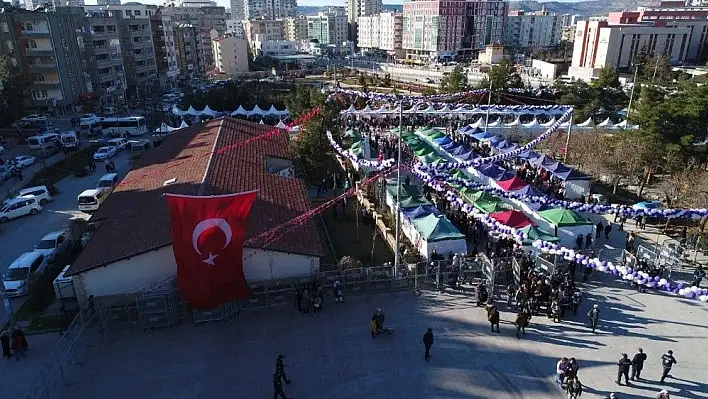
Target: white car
<point>23,161</point>
<point>104,153</point>
<point>53,244</point>
<point>87,118</point>
<point>17,207</point>
<point>34,118</point>
<point>23,272</point>
<point>40,192</point>
<point>119,144</point>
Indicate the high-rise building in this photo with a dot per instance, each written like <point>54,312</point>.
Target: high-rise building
<point>360,8</point>
<point>189,61</point>
<point>327,28</point>
<point>237,11</point>
<point>107,69</point>
<point>137,50</point>
<point>382,33</point>
<point>296,28</point>
<point>108,2</point>
<point>445,29</point>
<point>230,55</point>
<point>165,51</point>
<point>51,50</point>
<point>534,30</point>
<point>266,29</point>
<point>269,9</point>
<point>203,19</point>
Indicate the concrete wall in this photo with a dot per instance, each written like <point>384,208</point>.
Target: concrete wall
<point>130,275</point>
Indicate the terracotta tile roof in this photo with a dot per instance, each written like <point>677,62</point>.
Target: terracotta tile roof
<point>136,218</point>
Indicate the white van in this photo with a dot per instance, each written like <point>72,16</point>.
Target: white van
<point>39,192</point>
<point>70,140</point>
<point>119,144</point>
<point>107,182</point>
<point>22,271</point>
<point>44,142</point>
<point>91,200</point>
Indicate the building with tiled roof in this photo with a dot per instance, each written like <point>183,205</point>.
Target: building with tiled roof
<point>132,248</point>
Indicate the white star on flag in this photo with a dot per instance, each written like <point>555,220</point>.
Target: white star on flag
<point>210,259</point>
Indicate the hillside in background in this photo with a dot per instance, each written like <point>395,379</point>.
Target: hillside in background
<point>584,8</point>
<point>313,10</point>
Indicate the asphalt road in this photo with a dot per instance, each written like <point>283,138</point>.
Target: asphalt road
<point>21,234</point>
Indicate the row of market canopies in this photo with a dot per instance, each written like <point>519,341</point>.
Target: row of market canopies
<point>167,129</point>
<point>241,111</point>
<point>433,109</point>
<point>535,124</point>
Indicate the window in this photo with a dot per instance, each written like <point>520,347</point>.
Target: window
<point>30,44</point>
<point>28,27</point>
<point>4,27</point>
<point>37,263</point>
<point>137,13</point>
<point>39,78</point>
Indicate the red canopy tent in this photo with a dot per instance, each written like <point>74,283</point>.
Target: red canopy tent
<point>515,183</point>
<point>512,218</point>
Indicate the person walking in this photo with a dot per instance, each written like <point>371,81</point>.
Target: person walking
<point>667,361</point>
<point>608,230</point>
<point>493,317</point>
<point>278,387</point>
<point>623,369</point>
<point>594,316</point>
<point>522,321</point>
<point>598,230</point>
<point>18,345</point>
<point>338,292</point>
<point>5,343</point>
<point>588,241</point>
<point>280,369</point>
<point>561,368</point>
<point>574,388</point>
<point>638,364</point>
<point>664,394</point>
<point>428,342</point>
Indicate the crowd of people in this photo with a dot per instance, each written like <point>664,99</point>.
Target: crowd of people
<point>14,343</point>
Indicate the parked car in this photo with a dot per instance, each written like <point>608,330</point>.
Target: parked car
<point>23,161</point>
<point>33,118</point>
<point>41,193</point>
<point>6,171</point>
<point>119,144</point>
<point>19,276</point>
<point>53,244</point>
<point>17,207</point>
<point>104,153</point>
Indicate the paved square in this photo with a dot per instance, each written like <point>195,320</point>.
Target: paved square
<point>332,355</point>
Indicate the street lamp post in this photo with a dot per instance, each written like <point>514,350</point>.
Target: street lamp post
<point>489,104</point>
<point>397,257</point>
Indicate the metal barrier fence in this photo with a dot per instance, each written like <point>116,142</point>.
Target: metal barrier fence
<point>85,331</point>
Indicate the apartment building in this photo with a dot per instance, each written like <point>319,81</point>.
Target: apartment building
<point>108,2</point>
<point>445,29</point>
<point>269,9</point>
<point>235,28</point>
<point>203,19</point>
<point>382,33</point>
<point>51,50</point>
<point>163,36</point>
<point>266,29</point>
<point>107,69</point>
<point>599,44</point>
<point>189,62</point>
<point>237,10</point>
<point>327,28</point>
<point>533,30</point>
<point>296,28</point>
<point>356,9</point>
<point>230,55</point>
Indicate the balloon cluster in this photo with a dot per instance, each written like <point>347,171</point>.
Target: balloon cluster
<point>497,229</point>
<point>505,155</point>
<point>377,165</point>
<point>444,108</point>
<point>373,96</point>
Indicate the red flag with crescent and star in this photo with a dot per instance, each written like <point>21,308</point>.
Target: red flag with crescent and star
<point>207,240</point>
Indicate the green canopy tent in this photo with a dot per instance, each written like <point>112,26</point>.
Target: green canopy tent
<point>468,193</point>
<point>426,131</point>
<point>423,151</point>
<point>412,202</point>
<point>484,196</point>
<point>357,144</point>
<point>491,206</point>
<point>460,174</point>
<point>436,228</point>
<point>406,191</point>
<point>437,135</point>
<point>431,159</point>
<point>357,151</point>
<point>534,233</point>
<point>352,134</point>
<point>564,217</point>
<point>405,132</point>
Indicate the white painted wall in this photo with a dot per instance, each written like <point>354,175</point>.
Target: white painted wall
<point>130,275</point>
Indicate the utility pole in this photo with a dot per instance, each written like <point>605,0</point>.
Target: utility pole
<point>567,138</point>
<point>397,258</point>
<point>489,103</point>
<point>656,68</point>
<point>631,94</point>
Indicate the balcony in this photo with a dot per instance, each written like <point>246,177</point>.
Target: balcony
<point>46,83</point>
<point>101,61</point>
<point>39,51</point>
<point>46,67</point>
<point>36,33</point>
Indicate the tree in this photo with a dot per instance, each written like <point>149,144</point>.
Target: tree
<point>455,81</point>
<point>657,70</point>
<point>363,83</point>
<point>504,76</point>
<point>607,78</point>
<point>13,91</point>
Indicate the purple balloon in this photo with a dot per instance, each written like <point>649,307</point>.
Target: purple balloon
<point>682,285</point>
<point>631,271</point>
<point>675,290</point>
<point>657,278</point>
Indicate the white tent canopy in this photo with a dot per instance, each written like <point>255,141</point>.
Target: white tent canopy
<point>182,125</point>
<point>549,123</point>
<point>208,111</point>
<point>256,111</point>
<point>532,125</point>
<point>281,125</point>
<point>515,123</point>
<point>192,112</point>
<point>242,111</point>
<point>164,128</point>
<point>261,122</point>
<point>496,123</point>
<point>588,123</point>
<point>606,123</point>
<point>177,111</point>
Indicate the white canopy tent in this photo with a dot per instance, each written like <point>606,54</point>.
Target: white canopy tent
<point>209,112</point>
<point>549,123</point>
<point>164,128</point>
<point>256,111</point>
<point>587,124</point>
<point>606,123</point>
<point>177,111</point>
<point>182,125</point>
<point>281,125</point>
<point>242,111</point>
<point>532,125</point>
<point>192,112</point>
<point>515,123</point>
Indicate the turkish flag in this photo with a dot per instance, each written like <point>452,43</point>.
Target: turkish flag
<point>207,240</point>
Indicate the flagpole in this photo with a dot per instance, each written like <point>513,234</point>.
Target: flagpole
<point>567,138</point>
<point>489,104</point>
<point>631,95</point>
<point>397,258</point>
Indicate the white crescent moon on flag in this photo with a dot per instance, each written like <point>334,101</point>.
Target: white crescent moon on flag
<point>205,225</point>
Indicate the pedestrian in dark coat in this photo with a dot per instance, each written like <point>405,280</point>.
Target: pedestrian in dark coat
<point>522,321</point>
<point>280,369</point>
<point>5,342</point>
<point>608,230</point>
<point>667,361</point>
<point>594,316</point>
<point>428,342</point>
<point>598,230</point>
<point>623,369</point>
<point>18,346</point>
<point>493,317</point>
<point>638,364</point>
<point>278,387</point>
